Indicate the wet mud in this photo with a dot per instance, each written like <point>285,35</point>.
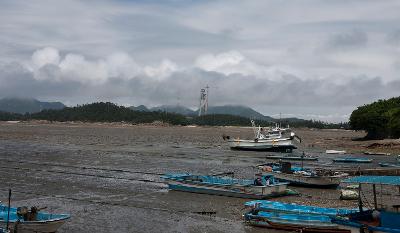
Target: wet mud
<point>108,176</point>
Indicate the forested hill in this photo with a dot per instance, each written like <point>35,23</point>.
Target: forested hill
<point>380,119</point>
<point>106,112</point>
<point>109,112</point>
<point>24,105</point>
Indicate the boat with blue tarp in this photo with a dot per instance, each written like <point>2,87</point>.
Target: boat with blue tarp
<point>24,220</point>
<point>292,221</point>
<point>265,205</point>
<point>352,160</point>
<point>374,219</point>
<point>260,188</point>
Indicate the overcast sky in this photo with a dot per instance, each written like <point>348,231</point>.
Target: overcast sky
<point>310,59</point>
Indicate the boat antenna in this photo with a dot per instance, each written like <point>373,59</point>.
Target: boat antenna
<point>9,206</point>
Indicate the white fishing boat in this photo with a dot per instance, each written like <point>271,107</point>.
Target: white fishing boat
<point>269,139</point>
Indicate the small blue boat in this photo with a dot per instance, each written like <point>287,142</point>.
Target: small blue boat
<point>260,188</point>
<point>352,160</point>
<point>293,222</point>
<point>23,220</point>
<point>275,206</point>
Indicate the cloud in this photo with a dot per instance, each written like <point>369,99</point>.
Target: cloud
<point>266,54</point>
<point>118,78</point>
<point>45,56</point>
<point>352,39</point>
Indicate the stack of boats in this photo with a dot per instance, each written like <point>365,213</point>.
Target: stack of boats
<point>294,217</point>
<point>303,218</point>
<point>262,187</point>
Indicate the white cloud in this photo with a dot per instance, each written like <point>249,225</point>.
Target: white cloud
<point>316,49</point>
<point>45,56</point>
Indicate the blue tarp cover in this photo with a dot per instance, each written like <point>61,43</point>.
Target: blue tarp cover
<point>389,180</point>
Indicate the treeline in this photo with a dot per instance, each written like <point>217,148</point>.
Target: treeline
<point>109,112</point>
<point>380,119</point>
<point>99,112</point>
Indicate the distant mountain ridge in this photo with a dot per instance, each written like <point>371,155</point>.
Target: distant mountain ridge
<point>30,105</point>
<point>236,110</point>
<point>24,105</point>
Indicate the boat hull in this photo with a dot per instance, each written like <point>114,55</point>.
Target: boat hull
<point>262,144</point>
<point>34,226</point>
<point>296,158</point>
<point>311,181</point>
<point>349,160</point>
<point>261,192</point>
<point>294,222</point>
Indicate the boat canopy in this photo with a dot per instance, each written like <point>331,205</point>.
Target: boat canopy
<point>387,180</point>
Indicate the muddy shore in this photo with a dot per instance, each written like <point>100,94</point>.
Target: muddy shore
<point>108,176</point>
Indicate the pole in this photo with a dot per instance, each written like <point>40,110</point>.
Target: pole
<point>375,202</point>
<point>9,206</point>
<point>359,198</point>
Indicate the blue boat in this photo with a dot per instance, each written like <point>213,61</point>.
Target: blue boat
<point>260,188</point>
<point>352,160</point>
<point>376,219</point>
<point>274,206</point>
<point>293,222</point>
<point>24,220</point>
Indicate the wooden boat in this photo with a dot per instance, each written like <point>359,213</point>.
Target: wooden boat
<point>274,206</point>
<point>293,222</point>
<point>265,140</point>
<point>260,188</point>
<point>352,160</point>
<point>376,219</point>
<point>305,158</point>
<point>303,176</point>
<point>23,220</point>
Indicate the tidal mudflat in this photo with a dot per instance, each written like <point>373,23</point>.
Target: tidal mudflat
<point>107,176</point>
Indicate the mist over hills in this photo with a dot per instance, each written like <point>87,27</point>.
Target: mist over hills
<point>27,105</point>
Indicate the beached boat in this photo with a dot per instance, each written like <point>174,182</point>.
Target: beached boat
<point>352,160</point>
<point>24,220</point>
<point>274,206</point>
<point>376,219</point>
<point>305,158</point>
<point>265,140</point>
<point>260,188</point>
<point>293,222</point>
<point>303,176</point>
<point>335,152</point>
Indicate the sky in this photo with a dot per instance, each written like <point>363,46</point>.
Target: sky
<point>311,59</point>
